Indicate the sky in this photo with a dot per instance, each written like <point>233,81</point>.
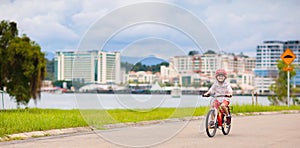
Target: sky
<point>154,28</point>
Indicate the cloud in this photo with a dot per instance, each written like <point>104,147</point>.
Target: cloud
<point>149,30</point>
<point>245,24</point>
<point>236,25</point>
<point>127,25</point>
<point>46,22</point>
<point>157,47</point>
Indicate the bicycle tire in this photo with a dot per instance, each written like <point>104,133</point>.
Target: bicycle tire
<point>210,131</point>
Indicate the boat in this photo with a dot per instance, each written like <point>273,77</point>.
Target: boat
<point>176,91</point>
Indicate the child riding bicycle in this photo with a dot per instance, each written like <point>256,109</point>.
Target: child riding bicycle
<point>221,87</point>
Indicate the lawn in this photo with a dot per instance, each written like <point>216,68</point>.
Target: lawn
<point>26,120</point>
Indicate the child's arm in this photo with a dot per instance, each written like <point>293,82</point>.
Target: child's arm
<point>210,90</point>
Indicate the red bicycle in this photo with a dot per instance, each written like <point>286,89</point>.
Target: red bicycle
<point>216,118</point>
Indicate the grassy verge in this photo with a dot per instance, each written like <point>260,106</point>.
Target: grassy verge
<point>26,120</point>
<point>260,108</point>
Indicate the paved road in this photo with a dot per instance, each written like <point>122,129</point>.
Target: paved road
<point>280,130</point>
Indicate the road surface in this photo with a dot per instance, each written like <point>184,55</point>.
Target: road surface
<point>277,130</point>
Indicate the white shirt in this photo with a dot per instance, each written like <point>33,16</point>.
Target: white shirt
<point>220,89</point>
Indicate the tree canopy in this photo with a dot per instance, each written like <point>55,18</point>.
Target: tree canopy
<point>22,65</point>
<point>154,68</point>
<point>210,52</point>
<point>193,52</point>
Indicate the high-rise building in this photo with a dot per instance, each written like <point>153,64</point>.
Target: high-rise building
<point>294,45</point>
<point>266,71</point>
<point>88,66</point>
<point>267,55</point>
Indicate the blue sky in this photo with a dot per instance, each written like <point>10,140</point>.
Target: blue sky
<point>236,26</point>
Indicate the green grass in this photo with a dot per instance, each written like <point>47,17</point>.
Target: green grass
<point>26,120</point>
<point>260,108</point>
<point>98,118</point>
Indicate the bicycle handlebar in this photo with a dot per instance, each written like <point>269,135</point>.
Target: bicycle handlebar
<point>227,96</point>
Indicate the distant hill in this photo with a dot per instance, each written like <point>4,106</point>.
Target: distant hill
<point>148,61</point>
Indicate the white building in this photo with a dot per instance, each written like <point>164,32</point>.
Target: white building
<point>210,62</point>
<point>194,70</point>
<point>266,72</point>
<point>239,67</point>
<point>294,45</point>
<point>88,66</point>
<point>168,74</point>
<point>142,77</point>
<point>187,69</point>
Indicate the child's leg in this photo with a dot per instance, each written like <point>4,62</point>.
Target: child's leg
<point>224,106</point>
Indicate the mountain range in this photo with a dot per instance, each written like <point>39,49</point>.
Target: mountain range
<point>148,61</point>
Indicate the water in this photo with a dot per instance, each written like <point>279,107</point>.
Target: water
<point>121,101</point>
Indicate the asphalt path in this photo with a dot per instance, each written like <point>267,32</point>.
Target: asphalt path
<point>276,130</point>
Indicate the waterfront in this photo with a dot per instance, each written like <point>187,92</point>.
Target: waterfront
<point>121,101</point>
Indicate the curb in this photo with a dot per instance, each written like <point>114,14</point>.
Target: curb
<point>35,134</point>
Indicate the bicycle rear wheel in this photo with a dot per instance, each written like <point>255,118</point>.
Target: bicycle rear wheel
<point>210,128</point>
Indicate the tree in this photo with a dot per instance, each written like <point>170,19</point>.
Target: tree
<point>210,52</point>
<point>280,86</point>
<point>127,66</point>
<point>193,52</point>
<point>23,65</point>
<point>154,68</point>
<point>8,31</point>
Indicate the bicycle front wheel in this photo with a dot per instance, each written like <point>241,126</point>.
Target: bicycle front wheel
<point>210,125</point>
<point>225,127</point>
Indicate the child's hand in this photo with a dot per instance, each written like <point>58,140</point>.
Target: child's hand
<point>205,95</point>
<point>228,95</point>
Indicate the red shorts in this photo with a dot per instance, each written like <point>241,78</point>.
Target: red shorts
<point>216,103</point>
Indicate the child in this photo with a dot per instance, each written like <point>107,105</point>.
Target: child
<point>221,87</point>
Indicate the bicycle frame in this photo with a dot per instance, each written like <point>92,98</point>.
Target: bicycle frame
<point>217,115</point>
<point>219,112</point>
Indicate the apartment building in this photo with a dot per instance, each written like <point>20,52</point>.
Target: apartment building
<point>239,67</point>
<point>187,69</point>
<point>266,71</point>
<point>267,55</point>
<point>168,74</point>
<point>294,45</point>
<point>142,77</point>
<point>193,70</point>
<point>88,66</point>
<point>210,62</point>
